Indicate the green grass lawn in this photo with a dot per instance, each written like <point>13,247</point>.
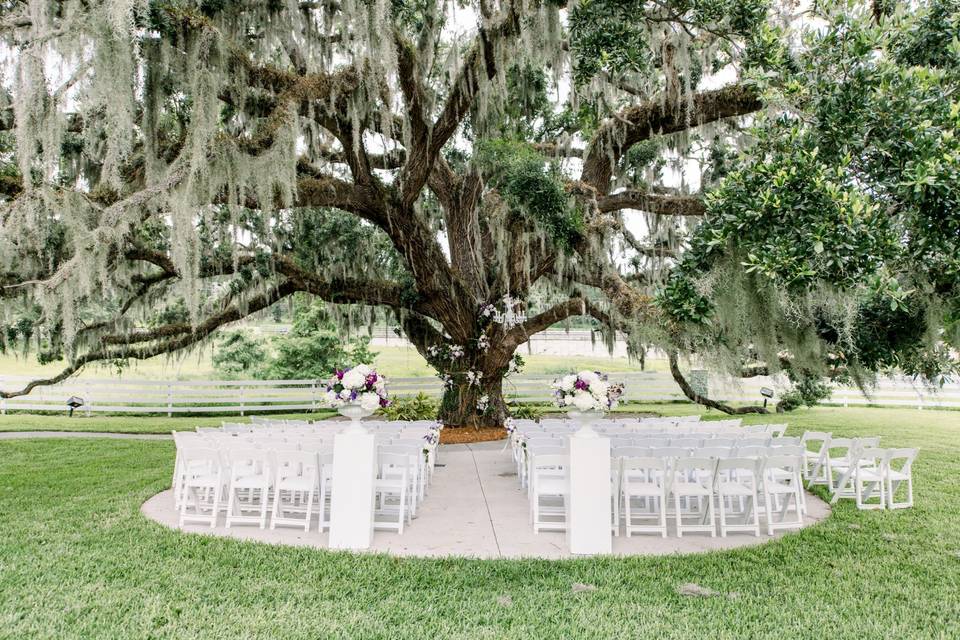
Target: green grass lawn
<point>77,560</point>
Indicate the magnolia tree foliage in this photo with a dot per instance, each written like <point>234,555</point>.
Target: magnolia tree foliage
<point>764,188</point>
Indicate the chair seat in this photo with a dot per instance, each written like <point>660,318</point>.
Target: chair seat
<point>898,475</point>
<point>296,484</point>
<point>691,489</point>
<point>253,481</point>
<point>779,487</point>
<point>735,489</point>
<point>389,483</point>
<point>202,480</point>
<point>553,486</point>
<point>870,475</point>
<point>642,488</point>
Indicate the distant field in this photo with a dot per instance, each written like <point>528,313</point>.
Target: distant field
<point>397,362</point>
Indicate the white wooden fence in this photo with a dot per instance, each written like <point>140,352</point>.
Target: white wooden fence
<point>258,396</point>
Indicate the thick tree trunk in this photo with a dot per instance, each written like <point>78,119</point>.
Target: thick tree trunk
<point>466,405</point>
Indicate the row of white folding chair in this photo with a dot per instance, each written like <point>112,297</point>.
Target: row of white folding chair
<point>717,483</point>
<point>865,470</point>
<point>285,483</point>
<point>834,459</point>
<point>251,479</point>
<point>695,484</point>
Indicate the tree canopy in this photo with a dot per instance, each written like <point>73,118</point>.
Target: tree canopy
<point>764,187</point>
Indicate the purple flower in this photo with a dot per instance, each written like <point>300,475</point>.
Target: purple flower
<point>384,402</point>
<point>580,385</point>
<point>371,380</point>
<point>340,373</point>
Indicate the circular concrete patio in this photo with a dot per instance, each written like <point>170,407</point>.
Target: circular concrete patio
<point>476,508</point>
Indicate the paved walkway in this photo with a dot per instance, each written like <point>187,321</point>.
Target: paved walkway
<point>475,508</point>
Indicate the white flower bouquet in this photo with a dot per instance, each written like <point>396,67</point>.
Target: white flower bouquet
<point>358,385</point>
<point>586,391</point>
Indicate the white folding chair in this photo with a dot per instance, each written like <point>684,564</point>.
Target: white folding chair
<point>779,489</point>
<point>325,472</point>
<point>692,480</point>
<point>550,482</point>
<point>202,485</point>
<point>738,484</point>
<point>898,470</point>
<point>644,483</point>
<point>295,488</point>
<point>868,478</point>
<point>815,459</point>
<point>777,430</point>
<point>391,489</point>
<point>249,486</point>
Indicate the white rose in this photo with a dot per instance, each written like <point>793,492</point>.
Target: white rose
<point>370,401</point>
<point>599,389</point>
<point>362,369</point>
<point>568,381</point>
<point>345,395</point>
<point>584,401</point>
<point>589,377</point>
<point>353,379</point>
<point>331,397</point>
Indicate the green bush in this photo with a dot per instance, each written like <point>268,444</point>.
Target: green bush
<point>419,407</point>
<point>311,350</point>
<point>525,411</point>
<point>238,354</point>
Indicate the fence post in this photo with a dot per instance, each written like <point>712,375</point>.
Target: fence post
<point>88,401</point>
<point>169,400</point>
<point>241,400</point>
<point>313,395</point>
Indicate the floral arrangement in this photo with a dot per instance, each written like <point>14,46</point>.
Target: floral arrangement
<point>432,437</point>
<point>361,385</point>
<point>586,391</point>
<point>510,425</point>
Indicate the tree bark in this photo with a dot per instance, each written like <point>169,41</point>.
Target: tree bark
<point>460,404</point>
<point>705,401</point>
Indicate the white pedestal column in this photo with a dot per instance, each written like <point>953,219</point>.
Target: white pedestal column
<point>589,511</point>
<point>351,507</point>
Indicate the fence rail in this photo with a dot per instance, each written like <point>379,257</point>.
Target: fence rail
<point>259,396</point>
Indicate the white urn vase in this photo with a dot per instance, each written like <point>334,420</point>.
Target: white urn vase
<point>356,413</point>
<point>584,420</point>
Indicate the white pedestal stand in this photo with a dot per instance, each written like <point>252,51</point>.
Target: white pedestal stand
<point>589,510</point>
<point>354,472</point>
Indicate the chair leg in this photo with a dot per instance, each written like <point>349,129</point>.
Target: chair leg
<point>263,507</point>
<point>275,511</point>
<point>231,504</point>
<point>306,523</point>
<point>663,514</point>
<point>723,517</point>
<point>678,515</point>
<point>403,507</point>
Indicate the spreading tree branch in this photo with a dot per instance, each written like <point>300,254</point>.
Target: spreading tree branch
<point>652,118</point>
